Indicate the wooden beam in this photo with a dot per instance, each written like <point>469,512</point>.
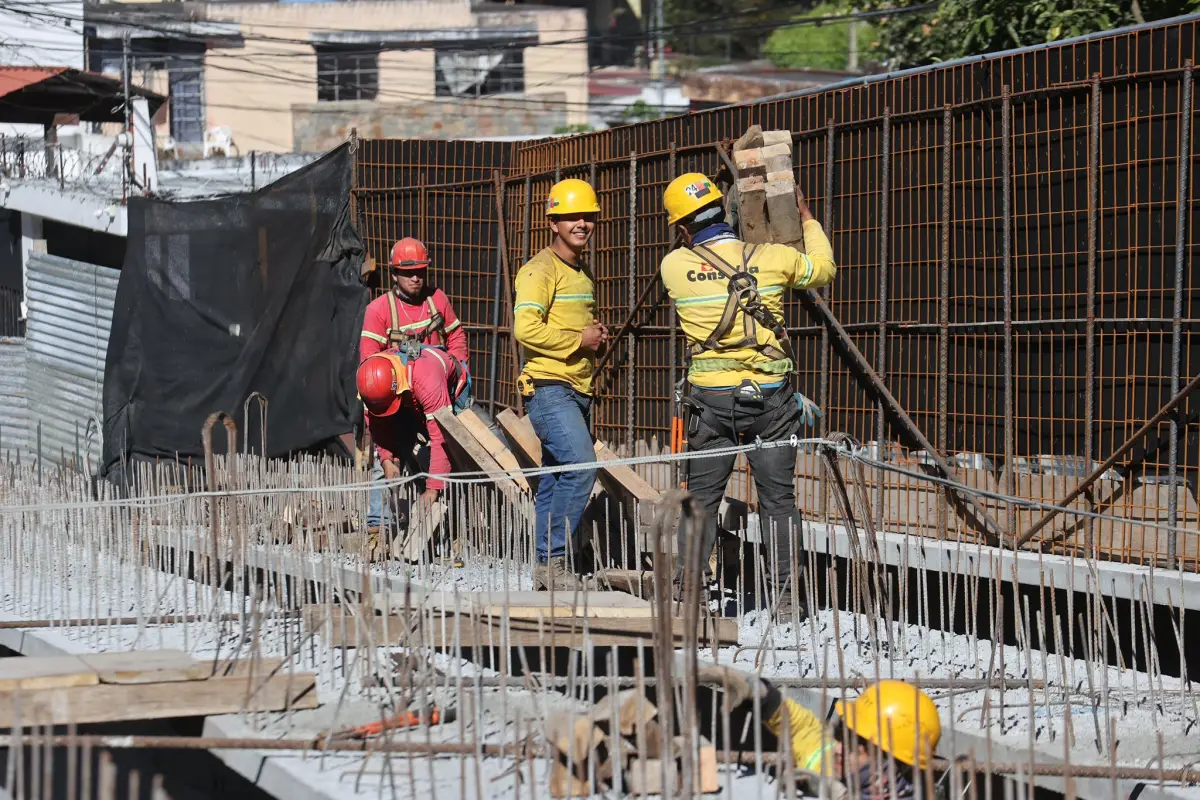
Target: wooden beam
<point>147,666</point>
<point>339,628</point>
<point>636,497</point>
<point>49,672</point>
<point>120,702</point>
<point>492,444</point>
<point>458,435</point>
<point>519,431</point>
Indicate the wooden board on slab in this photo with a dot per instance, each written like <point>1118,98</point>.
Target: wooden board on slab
<point>49,672</point>
<point>519,431</point>
<point>147,666</point>
<point>473,630</point>
<point>118,702</point>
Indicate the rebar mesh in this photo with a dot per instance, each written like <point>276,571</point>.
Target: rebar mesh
<point>1011,262</point>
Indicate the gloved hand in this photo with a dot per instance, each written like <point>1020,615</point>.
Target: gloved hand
<point>739,688</point>
<point>810,412</point>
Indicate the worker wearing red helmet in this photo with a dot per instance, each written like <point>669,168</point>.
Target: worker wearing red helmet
<point>412,310</point>
<point>402,389</point>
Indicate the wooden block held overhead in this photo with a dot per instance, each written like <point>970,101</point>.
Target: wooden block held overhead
<point>777,137</point>
<point>750,163</point>
<point>780,177</point>
<point>786,226</point>
<point>753,183</point>
<point>753,137</point>
<point>752,215</point>
<point>777,158</point>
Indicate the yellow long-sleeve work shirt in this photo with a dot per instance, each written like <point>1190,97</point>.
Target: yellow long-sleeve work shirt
<point>700,292</point>
<point>812,748</point>
<point>554,303</point>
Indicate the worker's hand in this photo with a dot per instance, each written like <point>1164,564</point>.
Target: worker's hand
<point>391,470</point>
<point>430,496</point>
<point>736,685</point>
<point>594,335</point>
<point>802,204</point>
<point>810,412</point>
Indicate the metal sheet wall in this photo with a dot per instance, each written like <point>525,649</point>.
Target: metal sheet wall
<point>70,312</point>
<point>14,407</point>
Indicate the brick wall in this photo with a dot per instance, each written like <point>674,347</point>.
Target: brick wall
<point>320,126</point>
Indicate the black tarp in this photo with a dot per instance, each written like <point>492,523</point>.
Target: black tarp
<point>221,298</point>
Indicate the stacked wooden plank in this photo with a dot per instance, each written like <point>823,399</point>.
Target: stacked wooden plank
<point>156,684</point>
<point>767,188</point>
<point>501,619</point>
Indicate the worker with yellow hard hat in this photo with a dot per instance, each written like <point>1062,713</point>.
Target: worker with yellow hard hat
<point>554,320</point>
<point>729,299</point>
<point>891,721</point>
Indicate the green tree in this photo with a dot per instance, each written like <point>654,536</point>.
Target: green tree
<point>957,28</point>
<point>719,28</point>
<point>824,46</point>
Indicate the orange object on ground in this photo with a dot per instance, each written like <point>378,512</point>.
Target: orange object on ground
<point>405,719</point>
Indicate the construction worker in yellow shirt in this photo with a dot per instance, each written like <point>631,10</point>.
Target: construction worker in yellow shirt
<point>555,322</point>
<point>890,721</point>
<point>739,374</point>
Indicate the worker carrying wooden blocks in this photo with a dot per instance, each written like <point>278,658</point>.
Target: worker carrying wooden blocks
<point>728,294</point>
<point>879,745</point>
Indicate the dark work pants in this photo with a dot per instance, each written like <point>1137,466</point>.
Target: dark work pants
<point>728,422</point>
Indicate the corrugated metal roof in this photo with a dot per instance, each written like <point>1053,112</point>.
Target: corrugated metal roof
<point>15,78</point>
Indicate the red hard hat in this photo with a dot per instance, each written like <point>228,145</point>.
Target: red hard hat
<point>382,382</point>
<point>409,253</point>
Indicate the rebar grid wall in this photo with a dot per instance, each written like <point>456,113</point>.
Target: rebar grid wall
<point>1014,235</point>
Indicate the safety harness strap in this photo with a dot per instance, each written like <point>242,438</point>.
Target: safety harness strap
<point>743,296</point>
<point>398,334</point>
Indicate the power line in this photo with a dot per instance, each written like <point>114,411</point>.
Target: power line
<point>636,37</point>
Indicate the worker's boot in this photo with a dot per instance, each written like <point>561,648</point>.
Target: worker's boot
<point>557,575</point>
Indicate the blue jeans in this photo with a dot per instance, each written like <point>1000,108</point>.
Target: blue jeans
<point>377,510</point>
<point>560,420</point>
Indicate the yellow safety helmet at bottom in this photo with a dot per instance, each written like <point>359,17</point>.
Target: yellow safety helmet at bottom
<point>572,196</point>
<point>687,194</point>
<point>897,717</point>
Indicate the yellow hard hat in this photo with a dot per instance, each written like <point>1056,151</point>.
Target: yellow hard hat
<point>688,194</point>
<point>572,196</point>
<point>898,718</point>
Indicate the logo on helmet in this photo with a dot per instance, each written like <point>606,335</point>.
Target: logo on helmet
<point>698,189</point>
<point>551,204</point>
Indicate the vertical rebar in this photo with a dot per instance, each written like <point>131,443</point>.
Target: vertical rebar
<point>943,412</point>
<point>254,169</point>
<point>1089,366</point>
<point>673,338</point>
<point>631,341</point>
<point>881,344</point>
<point>1006,258</point>
<point>823,385</point>
<point>592,266</point>
<point>1185,165</point>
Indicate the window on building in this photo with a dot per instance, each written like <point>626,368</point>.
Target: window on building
<point>186,88</point>
<point>475,73</point>
<point>345,74</point>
